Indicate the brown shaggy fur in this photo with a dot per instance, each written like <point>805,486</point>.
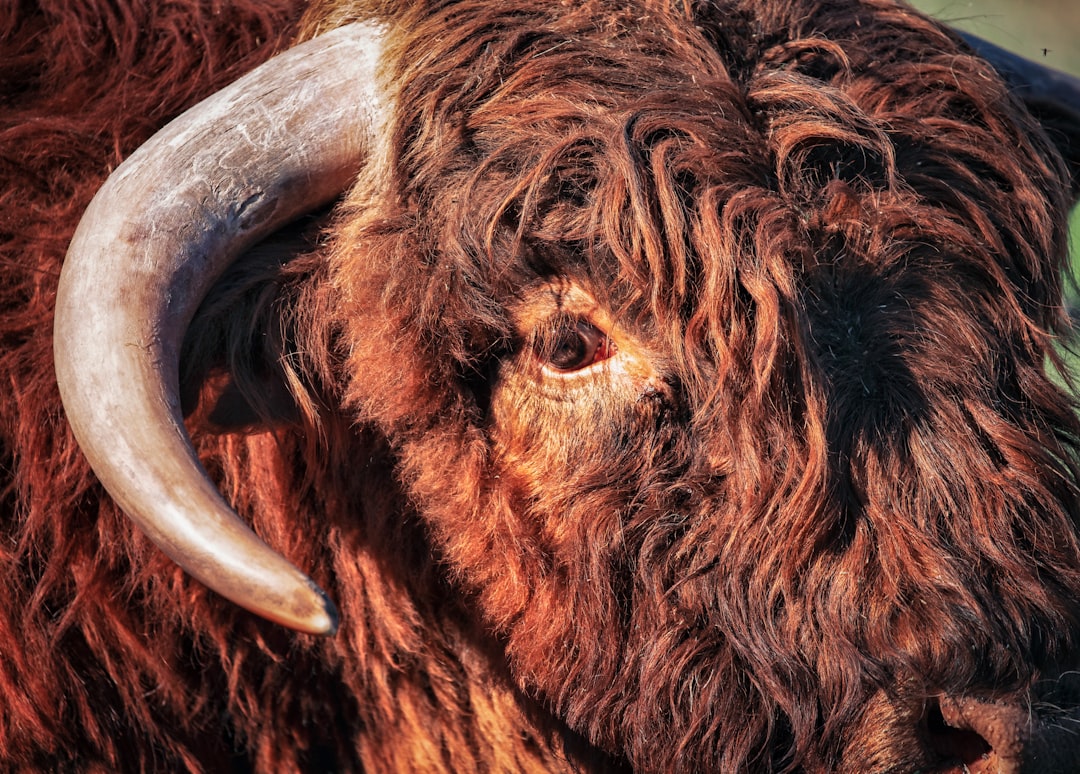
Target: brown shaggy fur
<point>823,480</point>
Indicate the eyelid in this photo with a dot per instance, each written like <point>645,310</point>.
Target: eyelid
<point>585,345</point>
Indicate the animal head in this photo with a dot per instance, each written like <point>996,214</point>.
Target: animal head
<point>709,343</point>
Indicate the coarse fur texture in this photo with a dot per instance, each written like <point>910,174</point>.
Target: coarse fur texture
<point>818,479</point>
<point>113,660</point>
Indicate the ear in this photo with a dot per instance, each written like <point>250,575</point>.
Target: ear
<point>231,374</point>
<point>1052,96</point>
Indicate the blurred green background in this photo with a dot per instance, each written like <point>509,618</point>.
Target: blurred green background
<point>1046,31</point>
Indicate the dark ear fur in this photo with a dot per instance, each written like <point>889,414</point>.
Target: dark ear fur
<point>1053,97</point>
<point>1062,124</point>
<point>231,378</point>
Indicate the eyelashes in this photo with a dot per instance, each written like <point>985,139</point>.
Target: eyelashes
<point>573,345</point>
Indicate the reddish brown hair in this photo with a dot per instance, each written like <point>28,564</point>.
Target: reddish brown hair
<point>846,240</point>
<point>834,237</point>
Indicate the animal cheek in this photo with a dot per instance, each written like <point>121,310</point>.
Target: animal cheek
<point>637,375</point>
<point>559,423</point>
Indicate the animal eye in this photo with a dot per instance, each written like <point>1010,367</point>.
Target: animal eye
<point>576,345</point>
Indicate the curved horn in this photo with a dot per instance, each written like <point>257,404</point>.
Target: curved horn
<point>164,226</point>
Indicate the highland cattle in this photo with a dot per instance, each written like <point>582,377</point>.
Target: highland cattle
<point>639,385</point>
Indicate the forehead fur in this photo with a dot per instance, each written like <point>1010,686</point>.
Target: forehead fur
<point>746,179</point>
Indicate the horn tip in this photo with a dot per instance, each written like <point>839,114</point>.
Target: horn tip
<point>307,610</point>
<point>324,619</point>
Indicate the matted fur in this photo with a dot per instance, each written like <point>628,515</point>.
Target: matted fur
<point>831,482</point>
